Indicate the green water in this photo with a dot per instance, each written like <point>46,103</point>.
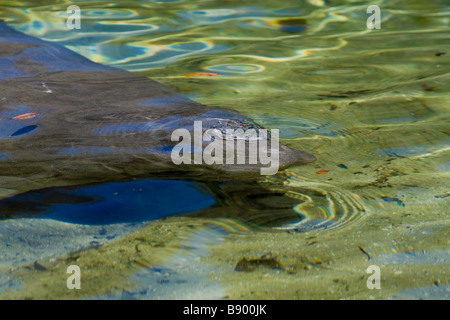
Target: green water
<point>371,105</point>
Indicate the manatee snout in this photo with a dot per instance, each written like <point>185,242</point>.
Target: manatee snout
<point>97,123</point>
<point>227,141</point>
<point>291,157</point>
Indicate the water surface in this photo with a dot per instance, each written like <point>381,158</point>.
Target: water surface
<point>371,105</point>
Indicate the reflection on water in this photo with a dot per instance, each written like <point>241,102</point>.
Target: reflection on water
<point>372,105</point>
<point>135,201</point>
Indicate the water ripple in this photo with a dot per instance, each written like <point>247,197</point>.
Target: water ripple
<point>321,205</point>
<point>317,74</point>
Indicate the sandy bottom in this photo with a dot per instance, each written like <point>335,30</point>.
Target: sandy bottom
<point>164,259</point>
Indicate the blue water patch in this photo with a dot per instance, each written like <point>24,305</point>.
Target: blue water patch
<point>159,150</point>
<point>219,114</point>
<point>4,156</point>
<point>429,293</point>
<point>8,69</point>
<point>125,202</point>
<point>167,150</point>
<point>287,12</point>
<point>23,131</point>
<point>9,282</point>
<point>126,128</point>
<point>293,28</point>
<point>415,258</point>
<point>399,120</point>
<point>166,101</point>
<point>413,150</point>
<point>85,150</point>
<point>405,151</point>
<point>444,167</point>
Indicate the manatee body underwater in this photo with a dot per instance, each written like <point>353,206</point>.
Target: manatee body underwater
<point>72,130</point>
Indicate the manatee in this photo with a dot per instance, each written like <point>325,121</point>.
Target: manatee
<point>68,121</point>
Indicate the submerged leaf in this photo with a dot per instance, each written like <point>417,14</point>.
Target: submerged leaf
<point>26,116</point>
